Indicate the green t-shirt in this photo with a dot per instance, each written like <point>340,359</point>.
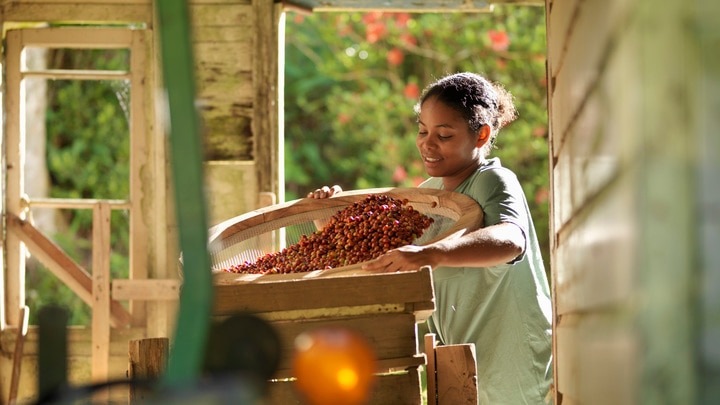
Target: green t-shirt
<point>504,310</point>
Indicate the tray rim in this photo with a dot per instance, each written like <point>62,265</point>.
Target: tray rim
<point>470,218</point>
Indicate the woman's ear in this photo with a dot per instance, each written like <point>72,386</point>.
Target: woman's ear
<point>483,135</point>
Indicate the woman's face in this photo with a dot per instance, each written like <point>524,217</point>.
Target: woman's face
<point>447,147</point>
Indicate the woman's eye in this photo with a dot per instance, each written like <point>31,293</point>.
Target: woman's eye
<point>422,132</point>
<point>444,136</point>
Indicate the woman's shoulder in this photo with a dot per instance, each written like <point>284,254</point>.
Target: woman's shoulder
<point>493,170</point>
<point>432,182</point>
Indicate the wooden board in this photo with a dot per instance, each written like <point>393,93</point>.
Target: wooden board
<point>392,337</point>
<point>323,289</point>
<point>389,389</point>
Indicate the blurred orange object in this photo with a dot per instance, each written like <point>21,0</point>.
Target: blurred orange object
<point>334,366</point>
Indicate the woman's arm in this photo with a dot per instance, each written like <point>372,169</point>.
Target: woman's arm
<point>485,247</point>
<point>323,192</point>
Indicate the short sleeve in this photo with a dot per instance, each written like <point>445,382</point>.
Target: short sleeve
<point>501,197</point>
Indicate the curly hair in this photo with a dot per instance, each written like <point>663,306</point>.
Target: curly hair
<point>480,101</point>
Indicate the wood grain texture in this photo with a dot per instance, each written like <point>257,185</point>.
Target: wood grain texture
<point>456,374</point>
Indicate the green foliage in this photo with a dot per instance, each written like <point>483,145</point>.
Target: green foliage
<point>352,79</point>
<point>88,156</point>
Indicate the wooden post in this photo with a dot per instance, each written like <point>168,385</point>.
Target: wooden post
<point>101,292</point>
<point>18,355</point>
<point>430,369</point>
<point>147,362</point>
<point>456,374</point>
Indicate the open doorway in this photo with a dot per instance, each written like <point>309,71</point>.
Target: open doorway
<point>352,79</point>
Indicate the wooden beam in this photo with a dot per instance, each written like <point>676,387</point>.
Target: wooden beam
<point>77,11</point>
<point>148,289</point>
<point>101,293</point>
<point>431,369</point>
<point>140,184</point>
<point>14,277</point>
<point>77,74</point>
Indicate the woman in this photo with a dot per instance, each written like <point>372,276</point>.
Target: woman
<point>490,284</point>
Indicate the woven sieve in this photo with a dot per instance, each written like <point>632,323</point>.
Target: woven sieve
<point>267,230</point>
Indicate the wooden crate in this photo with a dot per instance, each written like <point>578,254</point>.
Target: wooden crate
<point>384,308</point>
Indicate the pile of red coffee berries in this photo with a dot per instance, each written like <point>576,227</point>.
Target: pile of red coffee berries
<point>360,232</point>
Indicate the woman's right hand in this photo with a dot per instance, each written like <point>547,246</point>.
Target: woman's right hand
<point>325,192</point>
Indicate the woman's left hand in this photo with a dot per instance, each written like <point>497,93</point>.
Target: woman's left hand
<point>405,258</point>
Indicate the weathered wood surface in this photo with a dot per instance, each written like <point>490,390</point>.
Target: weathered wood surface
<point>101,293</point>
<point>224,34</point>
<point>430,368</point>
<point>402,388</point>
<point>18,354</point>
<point>392,336</point>
<point>147,360</point>
<point>456,374</point>
<point>322,289</point>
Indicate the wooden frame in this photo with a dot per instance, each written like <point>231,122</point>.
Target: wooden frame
<point>95,288</point>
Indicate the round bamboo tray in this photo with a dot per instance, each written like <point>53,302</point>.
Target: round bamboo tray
<point>268,230</point>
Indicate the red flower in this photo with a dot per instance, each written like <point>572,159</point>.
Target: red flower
<point>343,118</point>
<point>375,31</point>
<point>411,90</point>
<point>408,39</point>
<point>541,196</point>
<point>399,174</point>
<point>369,18</point>
<point>401,19</point>
<point>499,40</point>
<point>395,56</point>
<point>539,132</point>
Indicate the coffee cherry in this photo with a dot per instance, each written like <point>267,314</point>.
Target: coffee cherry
<point>362,231</point>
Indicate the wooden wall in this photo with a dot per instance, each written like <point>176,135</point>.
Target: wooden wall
<point>625,87</point>
<point>236,48</point>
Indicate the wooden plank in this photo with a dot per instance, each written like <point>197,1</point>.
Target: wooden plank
<point>76,74</point>
<point>14,280</point>
<point>147,360</point>
<point>66,269</point>
<point>392,337</point>
<point>561,18</point>
<point>391,389</point>
<point>146,290</point>
<point>597,253</point>
<point>18,354</point>
<point>237,15</point>
<point>77,38</point>
<point>267,100</point>
<point>456,374</point>
<point>222,34</point>
<point>603,24</point>
<point>79,342</point>
<point>140,184</point>
<point>364,289</point>
<point>598,356</point>
<point>101,292</point>
<point>431,369</point>
<point>30,12</point>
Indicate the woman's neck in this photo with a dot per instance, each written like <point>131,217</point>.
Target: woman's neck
<point>451,183</point>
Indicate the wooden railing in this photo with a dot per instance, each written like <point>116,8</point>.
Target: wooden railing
<point>97,289</point>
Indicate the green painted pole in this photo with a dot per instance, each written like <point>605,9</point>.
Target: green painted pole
<point>188,351</point>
